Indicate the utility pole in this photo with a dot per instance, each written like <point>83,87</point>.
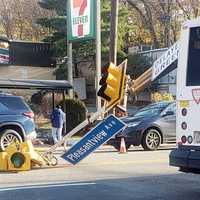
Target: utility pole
<point>113,31</point>
<point>168,22</point>
<point>69,66</point>
<point>98,52</point>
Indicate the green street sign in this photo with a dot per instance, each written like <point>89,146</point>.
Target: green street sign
<point>81,20</point>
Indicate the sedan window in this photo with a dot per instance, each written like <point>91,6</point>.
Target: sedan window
<point>171,108</point>
<point>152,109</point>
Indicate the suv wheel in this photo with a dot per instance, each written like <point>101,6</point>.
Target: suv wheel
<point>151,140</point>
<point>9,136</point>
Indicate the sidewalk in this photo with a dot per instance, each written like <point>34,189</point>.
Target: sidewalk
<point>61,149</point>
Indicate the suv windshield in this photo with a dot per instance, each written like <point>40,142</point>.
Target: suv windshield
<point>152,109</point>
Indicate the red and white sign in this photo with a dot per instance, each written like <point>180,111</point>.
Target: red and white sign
<point>81,18</point>
<point>196,95</point>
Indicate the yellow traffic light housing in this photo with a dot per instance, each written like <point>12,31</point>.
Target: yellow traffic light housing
<point>113,84</point>
<point>20,157</point>
<point>3,161</point>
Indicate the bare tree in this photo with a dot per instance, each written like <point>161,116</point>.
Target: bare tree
<point>6,17</point>
<point>190,8</point>
<point>143,8</point>
<point>162,18</point>
<point>18,19</point>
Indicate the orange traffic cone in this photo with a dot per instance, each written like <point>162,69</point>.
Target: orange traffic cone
<point>122,146</point>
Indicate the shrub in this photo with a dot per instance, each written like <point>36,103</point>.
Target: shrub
<point>41,104</point>
<point>75,113</point>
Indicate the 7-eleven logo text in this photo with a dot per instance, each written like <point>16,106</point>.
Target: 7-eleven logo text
<point>80,18</point>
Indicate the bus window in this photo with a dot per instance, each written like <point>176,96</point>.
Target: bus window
<point>193,66</point>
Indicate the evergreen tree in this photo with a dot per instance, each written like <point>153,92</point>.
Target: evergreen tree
<point>58,24</point>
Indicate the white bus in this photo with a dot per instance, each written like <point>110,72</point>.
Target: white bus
<point>187,154</point>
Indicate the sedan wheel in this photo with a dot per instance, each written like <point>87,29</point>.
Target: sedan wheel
<point>9,136</point>
<point>151,140</point>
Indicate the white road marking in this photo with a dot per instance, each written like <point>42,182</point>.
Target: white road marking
<point>44,186</point>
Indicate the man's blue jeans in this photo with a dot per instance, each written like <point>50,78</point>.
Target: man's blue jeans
<point>57,134</point>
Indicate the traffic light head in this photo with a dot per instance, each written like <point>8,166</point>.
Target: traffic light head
<point>112,83</point>
<point>17,159</point>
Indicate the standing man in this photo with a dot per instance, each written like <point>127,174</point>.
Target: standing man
<point>57,121</point>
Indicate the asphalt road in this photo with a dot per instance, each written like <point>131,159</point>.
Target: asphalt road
<point>104,175</point>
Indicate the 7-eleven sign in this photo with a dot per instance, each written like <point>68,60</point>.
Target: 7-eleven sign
<point>81,19</point>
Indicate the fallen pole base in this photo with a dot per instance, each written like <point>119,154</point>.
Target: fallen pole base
<point>23,157</point>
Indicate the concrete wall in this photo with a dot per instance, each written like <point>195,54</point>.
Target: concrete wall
<point>18,72</point>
